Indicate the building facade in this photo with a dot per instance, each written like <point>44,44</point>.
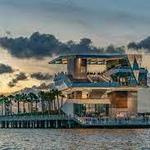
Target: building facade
<point>100,84</point>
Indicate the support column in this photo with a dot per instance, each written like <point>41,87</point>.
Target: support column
<point>56,124</point>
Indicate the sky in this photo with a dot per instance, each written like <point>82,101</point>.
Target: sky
<point>104,21</point>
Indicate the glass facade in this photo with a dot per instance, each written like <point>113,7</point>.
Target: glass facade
<point>91,109</point>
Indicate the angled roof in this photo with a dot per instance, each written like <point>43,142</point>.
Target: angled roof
<point>135,65</point>
<point>92,58</point>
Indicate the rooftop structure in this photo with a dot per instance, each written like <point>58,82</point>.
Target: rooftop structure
<point>100,84</point>
<point>91,58</point>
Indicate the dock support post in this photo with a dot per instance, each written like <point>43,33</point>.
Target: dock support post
<point>69,124</point>
<point>56,123</point>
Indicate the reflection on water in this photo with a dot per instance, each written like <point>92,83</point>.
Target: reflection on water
<point>74,139</point>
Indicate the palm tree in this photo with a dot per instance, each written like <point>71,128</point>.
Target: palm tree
<point>18,99</point>
<point>62,99</point>
<point>41,94</point>
<point>5,105</point>
<point>24,100</point>
<point>11,98</point>
<point>57,94</point>
<point>32,98</point>
<point>50,97</point>
<point>28,100</point>
<point>2,104</point>
<point>8,103</point>
<point>36,100</point>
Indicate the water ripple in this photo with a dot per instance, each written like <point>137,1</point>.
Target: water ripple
<point>74,139</point>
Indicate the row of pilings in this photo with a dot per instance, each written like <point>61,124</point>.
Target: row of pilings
<point>38,124</point>
<point>37,121</point>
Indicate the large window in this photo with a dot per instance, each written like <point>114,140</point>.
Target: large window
<point>91,109</point>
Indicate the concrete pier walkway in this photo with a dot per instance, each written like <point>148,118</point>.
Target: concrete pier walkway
<point>92,122</point>
<point>63,121</point>
<point>36,121</point>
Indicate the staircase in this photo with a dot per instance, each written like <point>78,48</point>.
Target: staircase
<point>106,75</point>
<point>98,78</point>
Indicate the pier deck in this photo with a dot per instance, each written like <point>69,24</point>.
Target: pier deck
<point>62,121</point>
<point>36,121</point>
<point>90,122</point>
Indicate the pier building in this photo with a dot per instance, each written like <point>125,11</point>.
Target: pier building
<point>100,84</point>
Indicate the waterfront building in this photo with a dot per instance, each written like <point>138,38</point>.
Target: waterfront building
<point>100,84</point>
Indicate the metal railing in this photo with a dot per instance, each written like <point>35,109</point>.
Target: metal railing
<point>63,79</point>
<point>113,122</point>
<point>33,117</point>
<point>96,84</point>
<point>90,121</point>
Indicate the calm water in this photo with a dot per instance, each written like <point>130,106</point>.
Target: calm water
<point>74,139</point>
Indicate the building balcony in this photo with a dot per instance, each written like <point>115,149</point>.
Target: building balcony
<point>63,81</point>
<point>95,84</point>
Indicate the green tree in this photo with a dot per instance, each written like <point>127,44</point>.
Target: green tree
<point>50,97</point>
<point>5,102</point>
<point>18,98</point>
<point>62,99</point>
<point>2,104</point>
<point>10,102</point>
<point>57,93</point>
<point>24,100</point>
<point>32,98</point>
<point>41,94</point>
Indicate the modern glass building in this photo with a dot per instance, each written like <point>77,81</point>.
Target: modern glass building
<point>100,84</point>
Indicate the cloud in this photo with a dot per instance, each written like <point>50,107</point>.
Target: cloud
<point>19,77</point>
<point>42,86</point>
<point>104,22</point>
<point>11,84</point>
<point>41,76</point>
<point>47,6</point>
<point>143,44</point>
<point>44,45</point>
<point>5,69</point>
<point>38,45</point>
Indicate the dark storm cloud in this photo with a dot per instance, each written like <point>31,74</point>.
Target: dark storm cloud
<point>19,77</point>
<point>38,45</point>
<point>5,69</point>
<point>44,45</point>
<point>41,76</point>
<point>144,45</point>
